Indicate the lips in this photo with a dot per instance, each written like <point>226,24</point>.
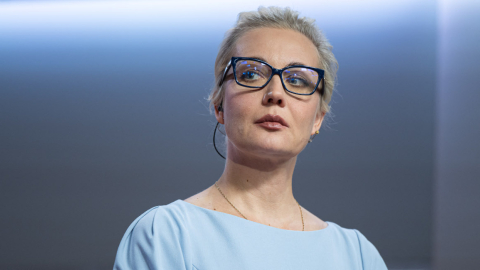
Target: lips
<point>273,119</point>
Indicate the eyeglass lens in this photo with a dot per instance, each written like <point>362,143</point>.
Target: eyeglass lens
<point>256,74</point>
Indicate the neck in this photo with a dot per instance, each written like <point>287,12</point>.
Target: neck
<point>261,189</point>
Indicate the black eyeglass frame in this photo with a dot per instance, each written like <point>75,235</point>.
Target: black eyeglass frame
<point>233,61</point>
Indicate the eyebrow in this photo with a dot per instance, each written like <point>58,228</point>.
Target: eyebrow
<point>288,65</point>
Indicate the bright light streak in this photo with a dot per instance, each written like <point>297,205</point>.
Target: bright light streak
<point>101,15</point>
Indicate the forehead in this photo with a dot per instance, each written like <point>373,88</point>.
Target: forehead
<point>278,47</point>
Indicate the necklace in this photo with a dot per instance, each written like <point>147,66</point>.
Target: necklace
<point>303,224</point>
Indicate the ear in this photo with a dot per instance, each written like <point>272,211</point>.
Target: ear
<point>318,121</point>
<point>219,115</point>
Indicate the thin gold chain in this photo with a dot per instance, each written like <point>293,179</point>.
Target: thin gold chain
<point>303,224</point>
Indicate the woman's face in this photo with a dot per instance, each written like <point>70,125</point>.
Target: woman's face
<point>243,107</point>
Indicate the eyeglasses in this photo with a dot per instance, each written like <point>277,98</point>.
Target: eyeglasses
<point>255,73</point>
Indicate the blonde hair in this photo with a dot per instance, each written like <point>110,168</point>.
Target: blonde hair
<point>283,18</point>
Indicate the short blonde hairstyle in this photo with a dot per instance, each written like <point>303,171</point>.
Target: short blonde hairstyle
<point>283,18</point>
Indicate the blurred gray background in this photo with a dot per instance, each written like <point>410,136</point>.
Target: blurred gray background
<point>103,115</point>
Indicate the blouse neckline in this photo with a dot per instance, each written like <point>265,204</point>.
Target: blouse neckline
<point>260,225</point>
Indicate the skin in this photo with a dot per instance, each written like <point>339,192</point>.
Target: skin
<point>257,178</point>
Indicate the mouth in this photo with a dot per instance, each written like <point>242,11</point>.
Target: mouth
<point>274,122</point>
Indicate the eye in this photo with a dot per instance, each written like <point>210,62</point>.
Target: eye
<point>296,81</point>
<point>250,75</point>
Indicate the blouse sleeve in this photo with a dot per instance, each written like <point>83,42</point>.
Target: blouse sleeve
<point>371,258</point>
<point>153,241</point>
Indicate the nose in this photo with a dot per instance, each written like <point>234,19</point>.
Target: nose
<point>274,92</point>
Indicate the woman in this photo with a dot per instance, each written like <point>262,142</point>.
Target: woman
<point>274,79</point>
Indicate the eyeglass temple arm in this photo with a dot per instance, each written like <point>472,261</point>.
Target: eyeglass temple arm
<point>323,85</point>
<point>225,72</point>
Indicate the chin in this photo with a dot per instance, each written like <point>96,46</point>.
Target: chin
<point>264,145</point>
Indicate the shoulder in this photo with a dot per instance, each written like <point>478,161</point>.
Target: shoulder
<point>146,228</point>
<point>155,238</point>
<point>371,258</point>
<point>170,218</point>
<point>369,255</point>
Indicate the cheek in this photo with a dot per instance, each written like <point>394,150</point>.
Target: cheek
<point>304,117</point>
<point>238,111</point>
<point>241,103</point>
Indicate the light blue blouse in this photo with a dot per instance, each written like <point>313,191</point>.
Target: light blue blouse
<point>181,235</point>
